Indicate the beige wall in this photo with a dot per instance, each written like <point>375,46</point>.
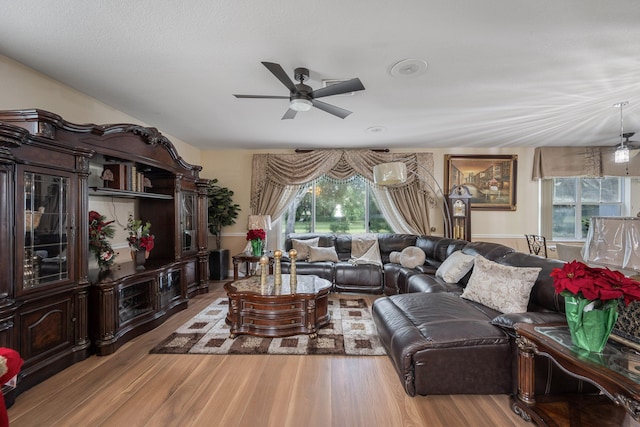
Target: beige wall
<point>24,88</point>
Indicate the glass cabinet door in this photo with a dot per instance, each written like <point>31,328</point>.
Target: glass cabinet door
<point>188,221</point>
<point>45,229</point>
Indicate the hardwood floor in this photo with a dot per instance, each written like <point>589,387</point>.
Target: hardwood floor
<point>134,388</point>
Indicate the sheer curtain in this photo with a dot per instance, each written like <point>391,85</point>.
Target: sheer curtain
<point>277,179</point>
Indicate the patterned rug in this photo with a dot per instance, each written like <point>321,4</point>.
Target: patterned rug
<point>351,331</point>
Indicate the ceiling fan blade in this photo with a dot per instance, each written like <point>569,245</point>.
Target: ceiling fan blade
<point>281,75</point>
<point>331,109</point>
<point>290,114</point>
<point>261,96</point>
<point>352,85</point>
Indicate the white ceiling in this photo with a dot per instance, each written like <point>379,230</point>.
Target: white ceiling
<point>501,73</point>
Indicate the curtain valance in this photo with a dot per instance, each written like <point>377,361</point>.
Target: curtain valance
<point>558,162</point>
<point>277,178</point>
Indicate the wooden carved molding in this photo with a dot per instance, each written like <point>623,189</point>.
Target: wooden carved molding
<point>632,406</point>
<point>12,136</point>
<point>151,136</point>
<point>525,344</point>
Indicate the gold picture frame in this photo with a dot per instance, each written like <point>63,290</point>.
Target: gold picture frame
<point>491,179</point>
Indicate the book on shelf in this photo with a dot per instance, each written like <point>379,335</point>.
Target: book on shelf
<point>123,176</point>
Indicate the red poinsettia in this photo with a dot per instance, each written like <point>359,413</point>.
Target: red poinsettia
<point>257,234</point>
<point>595,283</point>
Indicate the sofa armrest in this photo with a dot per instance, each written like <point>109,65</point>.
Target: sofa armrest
<point>508,320</point>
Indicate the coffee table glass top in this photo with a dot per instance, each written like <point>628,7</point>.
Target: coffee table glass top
<point>307,284</point>
<point>615,356</point>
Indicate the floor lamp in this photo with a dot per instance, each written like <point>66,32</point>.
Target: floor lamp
<point>396,173</point>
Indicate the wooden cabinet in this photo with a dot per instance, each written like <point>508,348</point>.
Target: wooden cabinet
<point>54,309</point>
<point>127,302</point>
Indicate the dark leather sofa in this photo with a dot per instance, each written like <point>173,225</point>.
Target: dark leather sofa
<point>438,342</point>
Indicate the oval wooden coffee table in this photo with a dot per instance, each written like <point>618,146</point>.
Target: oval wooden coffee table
<point>278,311</point>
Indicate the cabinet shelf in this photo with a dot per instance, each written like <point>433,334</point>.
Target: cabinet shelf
<point>102,191</point>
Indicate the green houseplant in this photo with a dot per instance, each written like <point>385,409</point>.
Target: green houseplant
<point>222,212</point>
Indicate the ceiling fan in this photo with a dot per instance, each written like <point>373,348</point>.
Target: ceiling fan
<point>302,97</point>
<point>630,145</point>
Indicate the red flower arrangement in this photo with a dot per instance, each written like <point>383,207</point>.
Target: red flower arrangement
<point>140,237</point>
<point>99,231</point>
<point>595,284</point>
<point>257,234</point>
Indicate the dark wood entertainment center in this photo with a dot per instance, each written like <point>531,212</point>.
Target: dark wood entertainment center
<point>54,309</point>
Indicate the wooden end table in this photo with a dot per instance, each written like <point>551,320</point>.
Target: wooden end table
<point>615,371</point>
<point>248,260</point>
<point>278,311</point>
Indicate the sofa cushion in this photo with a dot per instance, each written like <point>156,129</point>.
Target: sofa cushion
<point>317,254</point>
<point>394,257</point>
<point>543,295</point>
<point>501,287</point>
<point>357,278</point>
<point>411,257</point>
<point>302,246</point>
<point>455,267</point>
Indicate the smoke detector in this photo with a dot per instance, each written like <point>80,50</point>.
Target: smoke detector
<point>408,68</point>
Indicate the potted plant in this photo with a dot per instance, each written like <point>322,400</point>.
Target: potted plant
<point>222,212</point>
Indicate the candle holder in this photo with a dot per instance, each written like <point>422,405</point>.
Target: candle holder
<point>293,278</point>
<point>277,271</point>
<point>264,262</point>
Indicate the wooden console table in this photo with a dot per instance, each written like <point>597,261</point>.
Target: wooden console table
<point>278,311</point>
<point>248,260</point>
<point>615,371</point>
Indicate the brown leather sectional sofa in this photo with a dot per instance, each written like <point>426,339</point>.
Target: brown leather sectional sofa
<point>438,342</point>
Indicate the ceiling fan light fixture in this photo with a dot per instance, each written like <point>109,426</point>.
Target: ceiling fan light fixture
<point>622,154</point>
<point>300,104</point>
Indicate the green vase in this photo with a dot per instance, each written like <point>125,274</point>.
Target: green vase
<point>590,329</point>
<point>256,247</point>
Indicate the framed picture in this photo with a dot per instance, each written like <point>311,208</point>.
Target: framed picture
<point>491,179</point>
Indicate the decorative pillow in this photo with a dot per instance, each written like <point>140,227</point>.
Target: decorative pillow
<point>455,267</point>
<point>412,256</point>
<point>394,257</point>
<point>302,246</point>
<point>322,254</point>
<point>501,287</point>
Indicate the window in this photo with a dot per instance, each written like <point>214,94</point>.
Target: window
<point>575,200</point>
<point>330,206</point>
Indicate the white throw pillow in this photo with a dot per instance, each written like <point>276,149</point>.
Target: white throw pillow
<point>501,287</point>
<point>455,267</point>
<point>302,247</point>
<point>412,256</point>
<point>394,257</point>
<point>317,254</point>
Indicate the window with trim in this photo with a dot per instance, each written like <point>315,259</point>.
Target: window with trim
<point>573,201</point>
<point>332,206</point>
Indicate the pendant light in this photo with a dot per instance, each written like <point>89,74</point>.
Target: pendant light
<point>622,151</point>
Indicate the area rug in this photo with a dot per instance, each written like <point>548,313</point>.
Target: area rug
<point>351,331</point>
